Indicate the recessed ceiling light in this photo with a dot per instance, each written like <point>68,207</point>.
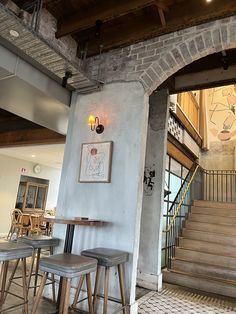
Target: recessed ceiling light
<point>208,0</point>
<point>14,33</point>
<point>33,156</point>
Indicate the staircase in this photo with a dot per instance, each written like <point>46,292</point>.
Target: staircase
<point>205,258</point>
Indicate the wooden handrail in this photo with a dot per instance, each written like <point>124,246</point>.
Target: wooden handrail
<point>181,200</point>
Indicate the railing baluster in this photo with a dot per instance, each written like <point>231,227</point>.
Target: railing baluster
<point>213,185</point>
<point>231,185</point>
<point>207,196</point>
<point>222,187</point>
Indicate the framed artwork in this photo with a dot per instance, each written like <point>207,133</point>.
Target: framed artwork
<point>95,162</point>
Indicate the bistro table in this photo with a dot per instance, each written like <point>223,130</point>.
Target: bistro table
<point>71,222</point>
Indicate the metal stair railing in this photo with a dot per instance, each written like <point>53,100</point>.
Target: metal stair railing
<point>174,222</point>
<point>216,185</point>
<point>220,185</point>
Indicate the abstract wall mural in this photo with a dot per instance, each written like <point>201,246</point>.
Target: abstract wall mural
<point>222,109</point>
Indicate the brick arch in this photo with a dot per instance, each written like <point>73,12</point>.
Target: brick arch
<point>188,46</point>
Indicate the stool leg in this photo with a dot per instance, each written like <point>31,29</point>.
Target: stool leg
<point>78,291</point>
<point>106,285</point>
<point>39,293</point>
<point>3,283</point>
<point>36,271</point>
<point>63,292</point>
<point>96,287</point>
<point>53,280</point>
<point>31,267</point>
<point>89,291</point>
<point>11,278</point>
<point>24,285</point>
<point>122,286</point>
<point>67,296</point>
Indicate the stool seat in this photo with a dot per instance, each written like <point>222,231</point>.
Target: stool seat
<point>39,241</point>
<point>107,257</point>
<point>13,251</point>
<point>10,251</point>
<point>68,265</point>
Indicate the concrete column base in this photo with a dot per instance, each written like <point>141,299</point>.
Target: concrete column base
<point>133,308</point>
<point>149,281</point>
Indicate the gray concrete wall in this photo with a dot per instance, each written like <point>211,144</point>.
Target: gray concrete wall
<point>149,266</point>
<point>123,109</point>
<point>220,156</point>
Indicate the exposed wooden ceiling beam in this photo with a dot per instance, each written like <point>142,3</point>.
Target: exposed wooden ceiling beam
<point>133,28</point>
<point>30,137</point>
<point>117,35</point>
<point>106,11</point>
<point>193,12</point>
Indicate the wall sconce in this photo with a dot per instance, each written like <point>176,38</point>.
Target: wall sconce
<point>95,124</point>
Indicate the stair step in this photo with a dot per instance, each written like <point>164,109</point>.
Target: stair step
<point>207,247</point>
<point>205,258</point>
<point>207,227</point>
<point>224,212</point>
<point>212,204</point>
<point>203,284</point>
<point>204,270</point>
<point>200,217</point>
<point>209,237</point>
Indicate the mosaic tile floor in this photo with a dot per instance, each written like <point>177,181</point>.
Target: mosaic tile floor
<point>173,300</point>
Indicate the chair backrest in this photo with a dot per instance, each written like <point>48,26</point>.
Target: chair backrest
<point>25,220</point>
<point>16,215</point>
<point>35,221</point>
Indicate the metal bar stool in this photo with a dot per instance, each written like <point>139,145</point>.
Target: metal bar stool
<point>106,258</point>
<point>38,242</point>
<point>67,266</point>
<point>13,251</point>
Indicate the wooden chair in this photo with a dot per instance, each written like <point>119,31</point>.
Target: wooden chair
<point>16,215</point>
<point>24,224</point>
<point>35,221</point>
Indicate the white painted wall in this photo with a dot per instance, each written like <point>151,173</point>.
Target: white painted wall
<point>123,108</point>
<point>10,172</point>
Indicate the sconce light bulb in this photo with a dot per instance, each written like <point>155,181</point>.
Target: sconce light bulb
<point>91,120</point>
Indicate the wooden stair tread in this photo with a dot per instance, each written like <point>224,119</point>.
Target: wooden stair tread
<point>209,262</point>
<point>231,282</point>
<point>211,244</point>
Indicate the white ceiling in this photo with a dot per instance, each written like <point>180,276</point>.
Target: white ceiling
<point>49,155</point>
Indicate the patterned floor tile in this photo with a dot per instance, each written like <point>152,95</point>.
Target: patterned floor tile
<point>172,300</point>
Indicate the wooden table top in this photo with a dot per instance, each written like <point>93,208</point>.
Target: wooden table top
<point>74,221</point>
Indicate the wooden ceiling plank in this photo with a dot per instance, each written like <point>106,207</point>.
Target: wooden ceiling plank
<point>105,12</point>
<point>140,27</point>
<point>134,30</point>
<point>193,12</point>
<point>30,137</point>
